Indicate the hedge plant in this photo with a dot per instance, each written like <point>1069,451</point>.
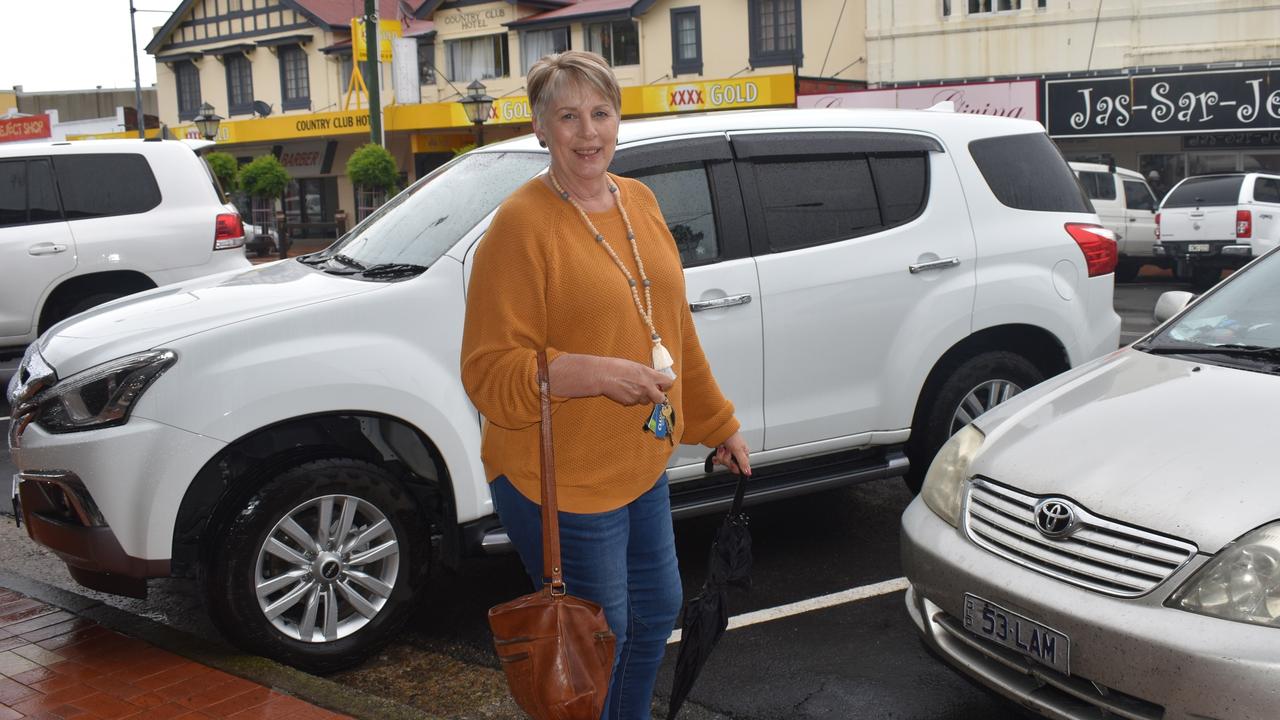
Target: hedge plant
<point>371,167</point>
<point>265,177</point>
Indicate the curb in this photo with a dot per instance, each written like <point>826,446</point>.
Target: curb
<point>219,655</point>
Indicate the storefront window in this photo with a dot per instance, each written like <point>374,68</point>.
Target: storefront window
<point>479,58</point>
<point>1162,171</point>
<point>618,41</point>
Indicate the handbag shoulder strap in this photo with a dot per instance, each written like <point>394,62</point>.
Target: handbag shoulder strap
<point>552,572</point>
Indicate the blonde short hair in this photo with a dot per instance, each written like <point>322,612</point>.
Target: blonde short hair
<point>553,74</point>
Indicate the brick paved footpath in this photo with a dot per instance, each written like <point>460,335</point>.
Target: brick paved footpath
<point>56,665</point>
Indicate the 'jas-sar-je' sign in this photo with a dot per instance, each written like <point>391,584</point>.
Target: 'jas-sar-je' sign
<point>1161,104</point>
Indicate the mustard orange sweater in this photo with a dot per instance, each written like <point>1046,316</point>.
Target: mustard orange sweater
<point>540,281</point>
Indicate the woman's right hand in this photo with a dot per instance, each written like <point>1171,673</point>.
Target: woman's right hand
<point>623,381</point>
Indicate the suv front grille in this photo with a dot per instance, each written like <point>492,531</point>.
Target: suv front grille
<point>1101,555</point>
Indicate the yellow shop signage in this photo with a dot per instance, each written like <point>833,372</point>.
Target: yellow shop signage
<point>759,91</point>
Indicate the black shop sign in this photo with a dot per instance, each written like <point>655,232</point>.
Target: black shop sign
<point>1229,100</point>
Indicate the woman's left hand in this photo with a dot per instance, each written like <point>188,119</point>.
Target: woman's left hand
<point>735,448</point>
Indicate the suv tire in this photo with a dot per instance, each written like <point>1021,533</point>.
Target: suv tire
<point>968,389</point>
<point>270,544</point>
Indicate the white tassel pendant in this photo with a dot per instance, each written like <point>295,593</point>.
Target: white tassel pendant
<point>662,361</point>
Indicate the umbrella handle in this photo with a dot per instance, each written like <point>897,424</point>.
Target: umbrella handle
<point>741,490</point>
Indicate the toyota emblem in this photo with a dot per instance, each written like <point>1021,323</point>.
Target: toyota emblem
<point>1055,518</point>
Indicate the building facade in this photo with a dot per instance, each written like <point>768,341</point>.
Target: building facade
<point>1166,86</point>
<point>282,74</point>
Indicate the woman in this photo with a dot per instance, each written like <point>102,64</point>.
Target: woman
<point>580,263</point>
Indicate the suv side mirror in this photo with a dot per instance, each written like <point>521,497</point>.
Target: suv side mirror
<point>1171,303</point>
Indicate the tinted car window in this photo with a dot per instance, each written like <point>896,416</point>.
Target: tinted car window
<point>1137,196</point>
<point>810,201</point>
<point>1266,190</point>
<point>1213,190</point>
<point>42,198</point>
<point>902,184</point>
<point>103,185</point>
<point>1027,172</point>
<point>13,193</point>
<point>1098,186</point>
<point>684,194</point>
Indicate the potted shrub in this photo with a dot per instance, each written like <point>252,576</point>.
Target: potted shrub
<point>373,173</point>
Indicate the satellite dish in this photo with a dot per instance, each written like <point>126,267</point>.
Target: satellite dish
<point>261,109</point>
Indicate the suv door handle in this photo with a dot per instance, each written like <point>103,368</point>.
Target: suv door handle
<point>942,264</point>
<point>46,249</point>
<point>723,302</point>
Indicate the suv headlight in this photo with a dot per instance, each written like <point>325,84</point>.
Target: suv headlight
<point>943,489</point>
<point>1241,583</point>
<point>101,396</point>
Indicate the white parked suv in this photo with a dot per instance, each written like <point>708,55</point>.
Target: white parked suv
<point>294,435</point>
<point>1127,207</point>
<point>1211,223</point>
<point>82,223</point>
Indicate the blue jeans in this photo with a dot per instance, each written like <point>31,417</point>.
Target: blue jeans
<point>623,560</point>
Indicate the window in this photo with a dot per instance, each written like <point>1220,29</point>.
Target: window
<point>346,70</point>
<point>13,193</point>
<point>902,183</point>
<point>536,44</point>
<point>239,84</point>
<point>1266,190</point>
<point>187,79</point>
<point>617,41</point>
<point>686,41</point>
<point>1137,196</point>
<point>775,33</point>
<point>42,194</point>
<point>977,7</point>
<point>477,58</point>
<point>1042,4</point>
<point>103,185</point>
<point>946,8</point>
<point>817,200</point>
<point>426,64</point>
<point>1098,185</point>
<point>295,81</point>
<point>1027,172</point>
<point>684,194</point>
<point>1206,191</point>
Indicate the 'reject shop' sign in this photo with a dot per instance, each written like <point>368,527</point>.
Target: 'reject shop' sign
<point>1173,103</point>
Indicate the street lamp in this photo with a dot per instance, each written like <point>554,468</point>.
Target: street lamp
<point>207,122</point>
<point>477,105</point>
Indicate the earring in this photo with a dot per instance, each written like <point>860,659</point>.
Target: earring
<point>542,142</point>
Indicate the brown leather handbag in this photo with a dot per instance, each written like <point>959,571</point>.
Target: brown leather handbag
<point>556,649</point>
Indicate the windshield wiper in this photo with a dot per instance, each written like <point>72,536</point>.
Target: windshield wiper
<point>348,261</point>
<point>313,259</point>
<point>1253,351</point>
<point>388,269</point>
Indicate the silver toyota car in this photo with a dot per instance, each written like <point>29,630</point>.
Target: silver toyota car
<point>1107,544</point>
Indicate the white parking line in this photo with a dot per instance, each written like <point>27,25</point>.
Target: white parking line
<point>804,606</point>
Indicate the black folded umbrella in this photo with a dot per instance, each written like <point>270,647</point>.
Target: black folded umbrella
<point>706,615</point>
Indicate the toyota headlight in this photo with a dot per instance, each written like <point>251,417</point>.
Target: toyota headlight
<point>101,396</point>
<point>943,489</point>
<point>1241,583</point>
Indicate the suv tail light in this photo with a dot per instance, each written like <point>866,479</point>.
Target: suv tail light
<point>1098,245</point>
<point>1157,226</point>
<point>228,232</point>
<point>1244,224</point>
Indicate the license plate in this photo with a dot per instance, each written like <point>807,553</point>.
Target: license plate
<point>988,620</point>
<point>1198,247</point>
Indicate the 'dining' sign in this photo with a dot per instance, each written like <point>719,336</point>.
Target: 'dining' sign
<point>1156,104</point>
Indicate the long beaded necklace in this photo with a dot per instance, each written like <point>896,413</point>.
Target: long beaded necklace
<point>662,361</point>
<point>662,419</point>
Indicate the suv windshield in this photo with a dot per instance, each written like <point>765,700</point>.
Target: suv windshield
<point>1239,324</point>
<point>1216,190</point>
<point>420,224</point>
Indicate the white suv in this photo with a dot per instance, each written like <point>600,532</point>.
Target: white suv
<point>864,283</point>
<point>1211,223</point>
<point>82,223</point>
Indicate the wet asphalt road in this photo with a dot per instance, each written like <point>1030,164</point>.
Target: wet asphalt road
<point>856,660</point>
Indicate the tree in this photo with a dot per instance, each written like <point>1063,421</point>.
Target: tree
<point>372,168</point>
<point>265,177</point>
<point>225,168</point>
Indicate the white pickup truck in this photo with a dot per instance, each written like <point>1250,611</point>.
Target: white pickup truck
<point>1209,223</point>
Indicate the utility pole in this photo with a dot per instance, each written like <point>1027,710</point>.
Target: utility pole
<point>139,116</point>
<point>372,51</point>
